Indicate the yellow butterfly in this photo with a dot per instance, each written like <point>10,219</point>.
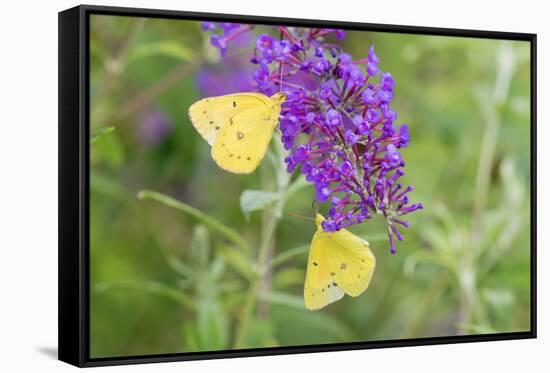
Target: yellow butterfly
<point>339,263</point>
<point>239,127</point>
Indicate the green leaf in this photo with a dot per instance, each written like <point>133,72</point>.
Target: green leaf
<point>190,335</point>
<point>99,133</point>
<point>289,254</point>
<point>153,287</point>
<point>210,329</point>
<point>253,200</point>
<point>283,299</point>
<point>180,267</point>
<point>300,326</point>
<point>289,277</point>
<point>259,333</point>
<point>206,219</point>
<point>200,246</point>
<point>110,149</point>
<point>212,326</point>
<point>238,261</point>
<point>105,185</point>
<point>168,48</point>
<point>499,297</point>
<point>427,257</point>
<point>216,271</point>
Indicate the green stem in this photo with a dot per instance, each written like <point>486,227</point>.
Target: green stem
<point>430,297</point>
<point>153,287</point>
<point>99,133</point>
<point>216,225</point>
<point>289,254</point>
<point>263,253</point>
<point>256,281</point>
<point>490,110</point>
<point>247,312</point>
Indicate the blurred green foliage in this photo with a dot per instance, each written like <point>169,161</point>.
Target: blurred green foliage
<point>178,269</point>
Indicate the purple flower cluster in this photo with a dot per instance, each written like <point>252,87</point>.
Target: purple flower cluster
<point>337,124</point>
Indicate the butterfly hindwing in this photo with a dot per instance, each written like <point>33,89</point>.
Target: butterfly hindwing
<point>339,262</point>
<point>319,288</point>
<point>350,261</point>
<point>242,143</point>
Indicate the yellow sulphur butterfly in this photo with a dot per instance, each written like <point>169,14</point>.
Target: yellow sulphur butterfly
<point>339,263</point>
<point>238,126</point>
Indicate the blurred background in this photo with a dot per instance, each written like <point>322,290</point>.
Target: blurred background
<point>174,238</point>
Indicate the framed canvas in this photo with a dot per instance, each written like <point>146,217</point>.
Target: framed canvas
<point>234,186</point>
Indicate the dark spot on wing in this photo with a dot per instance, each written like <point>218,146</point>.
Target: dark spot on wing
<point>315,264</point>
<point>247,158</point>
<point>332,273</point>
<point>211,122</point>
<point>343,266</point>
<point>204,111</point>
<point>231,155</point>
<point>234,104</point>
<point>239,157</point>
<point>217,127</point>
<point>334,284</point>
<point>240,135</point>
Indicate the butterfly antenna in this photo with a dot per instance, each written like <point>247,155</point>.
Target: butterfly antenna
<point>315,206</point>
<point>300,216</point>
<point>281,77</point>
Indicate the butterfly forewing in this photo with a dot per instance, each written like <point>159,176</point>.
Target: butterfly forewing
<point>319,288</point>
<point>211,114</point>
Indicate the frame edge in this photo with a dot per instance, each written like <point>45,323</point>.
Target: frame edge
<point>70,349</point>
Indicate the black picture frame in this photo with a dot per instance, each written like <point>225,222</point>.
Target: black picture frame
<point>74,185</point>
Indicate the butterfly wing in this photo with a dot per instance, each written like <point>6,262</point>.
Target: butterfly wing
<point>319,288</point>
<point>350,261</point>
<point>211,114</point>
<point>242,143</point>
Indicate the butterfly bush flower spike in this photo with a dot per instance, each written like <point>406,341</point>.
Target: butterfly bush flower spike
<point>337,123</point>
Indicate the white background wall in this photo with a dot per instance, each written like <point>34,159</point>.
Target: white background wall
<point>28,185</point>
